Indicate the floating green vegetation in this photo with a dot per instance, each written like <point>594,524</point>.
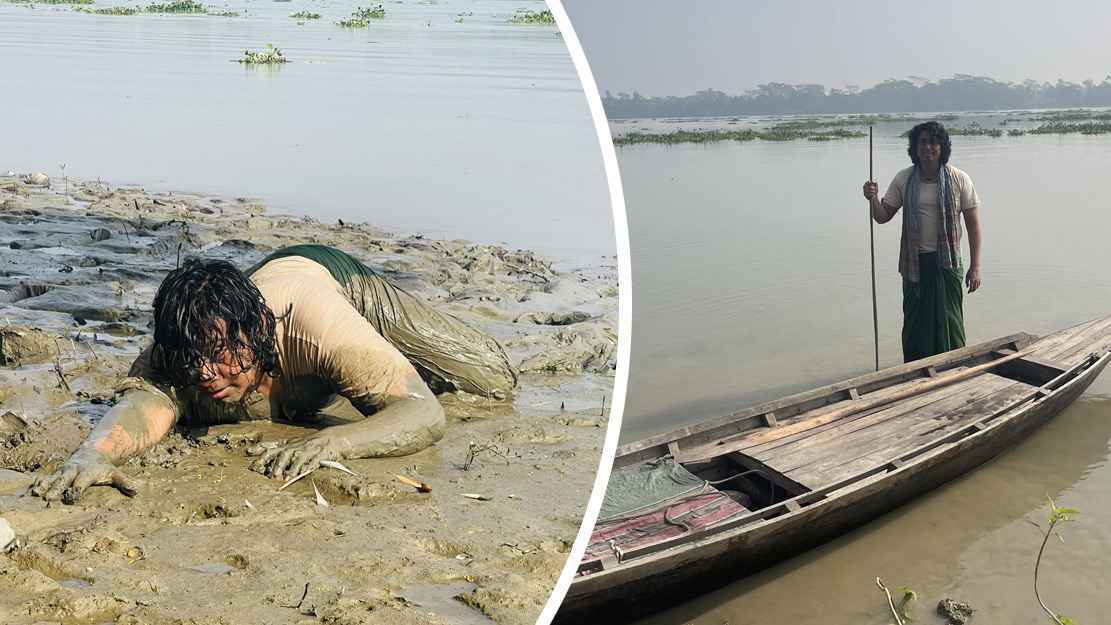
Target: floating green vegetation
<point>833,135</point>
<point>1060,128</point>
<point>1072,115</point>
<point>685,136</point>
<point>226,14</point>
<point>111,10</point>
<point>360,17</point>
<point>52,1</point>
<point>305,15</point>
<point>178,6</point>
<point>524,16</point>
<point>715,136</point>
<point>269,56</point>
<point>852,121</point>
<point>460,16</point>
<point>1015,132</point>
<point>975,130</point>
<point>802,125</point>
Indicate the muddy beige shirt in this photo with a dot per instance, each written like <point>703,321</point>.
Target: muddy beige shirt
<point>325,348</point>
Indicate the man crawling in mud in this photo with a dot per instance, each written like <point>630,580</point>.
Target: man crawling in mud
<point>282,341</point>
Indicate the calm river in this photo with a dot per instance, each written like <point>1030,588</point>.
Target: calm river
<point>442,118</point>
<point>751,270</point>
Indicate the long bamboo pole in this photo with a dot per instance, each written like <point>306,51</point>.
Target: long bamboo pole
<point>872,248</point>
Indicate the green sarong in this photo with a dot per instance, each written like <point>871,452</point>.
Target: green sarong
<point>449,354</point>
<point>933,317</point>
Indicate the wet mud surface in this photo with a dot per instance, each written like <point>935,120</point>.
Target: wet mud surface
<point>207,541</point>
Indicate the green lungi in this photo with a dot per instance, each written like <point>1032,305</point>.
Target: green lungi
<point>933,316</point>
<point>449,354</point>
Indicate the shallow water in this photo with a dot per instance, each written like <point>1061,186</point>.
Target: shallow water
<point>418,123</point>
<point>751,268</point>
<point>751,261</point>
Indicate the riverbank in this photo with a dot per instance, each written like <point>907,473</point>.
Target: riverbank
<point>207,541</point>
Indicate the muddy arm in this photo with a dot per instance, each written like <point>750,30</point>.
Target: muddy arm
<point>141,417</point>
<point>402,423</point>
<point>139,420</point>
<point>132,426</point>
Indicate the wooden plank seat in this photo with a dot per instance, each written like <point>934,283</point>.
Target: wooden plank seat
<point>829,454</point>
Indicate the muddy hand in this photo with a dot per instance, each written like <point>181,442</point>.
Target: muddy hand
<point>300,456</point>
<point>85,468</point>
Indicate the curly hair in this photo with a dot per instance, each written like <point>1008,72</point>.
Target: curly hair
<point>188,307</point>
<point>937,134</point>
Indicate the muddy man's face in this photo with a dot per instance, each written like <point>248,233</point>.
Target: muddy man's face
<point>227,376</point>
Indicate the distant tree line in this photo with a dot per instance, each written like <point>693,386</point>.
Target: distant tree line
<point>962,92</point>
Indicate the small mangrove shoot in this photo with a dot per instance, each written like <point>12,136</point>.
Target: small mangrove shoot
<point>1056,516</point>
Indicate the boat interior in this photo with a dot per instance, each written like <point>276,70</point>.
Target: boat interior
<point>815,442</point>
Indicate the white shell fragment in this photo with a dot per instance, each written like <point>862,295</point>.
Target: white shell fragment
<point>332,464</point>
<point>294,479</point>
<point>320,500</point>
<point>475,496</point>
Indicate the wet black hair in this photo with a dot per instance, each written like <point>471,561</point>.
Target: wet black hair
<point>937,134</point>
<point>189,304</point>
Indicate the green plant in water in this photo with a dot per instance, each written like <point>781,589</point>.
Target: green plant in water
<point>360,17</point>
<point>1056,516</point>
<point>377,13</point>
<point>178,6</point>
<point>111,10</point>
<point>1061,128</point>
<point>226,14</point>
<point>907,599</point>
<point>269,56</point>
<point>305,15</point>
<point>52,1</point>
<point>523,16</point>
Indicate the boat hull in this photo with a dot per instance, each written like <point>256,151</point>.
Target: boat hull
<point>670,576</point>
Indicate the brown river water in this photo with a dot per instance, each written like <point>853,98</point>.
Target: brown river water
<point>751,267</point>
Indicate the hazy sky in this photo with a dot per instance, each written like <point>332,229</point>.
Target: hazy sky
<point>677,48</point>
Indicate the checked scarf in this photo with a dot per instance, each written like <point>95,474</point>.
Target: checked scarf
<point>948,225</point>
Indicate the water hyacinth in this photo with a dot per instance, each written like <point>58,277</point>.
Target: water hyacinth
<point>305,15</point>
<point>178,6</point>
<point>715,136</point>
<point>269,56</point>
<point>360,17</point>
<point>523,16</point>
<point>111,10</point>
<point>52,1</point>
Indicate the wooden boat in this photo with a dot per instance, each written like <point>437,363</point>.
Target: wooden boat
<point>775,479</point>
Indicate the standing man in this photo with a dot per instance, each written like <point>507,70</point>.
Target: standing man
<point>935,195</point>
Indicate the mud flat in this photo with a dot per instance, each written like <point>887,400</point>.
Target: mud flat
<point>209,542</point>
